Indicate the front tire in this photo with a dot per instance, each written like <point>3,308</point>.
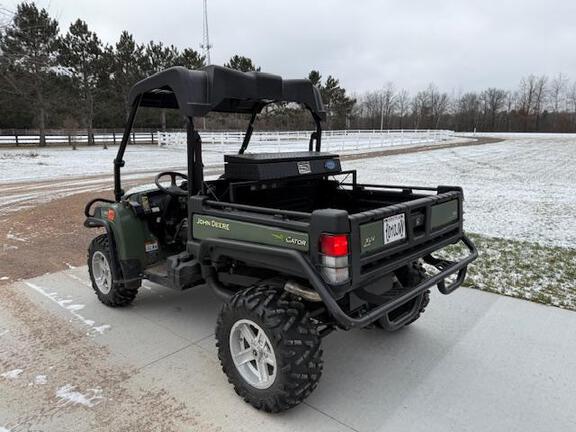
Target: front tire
<point>105,277</point>
<point>269,348</point>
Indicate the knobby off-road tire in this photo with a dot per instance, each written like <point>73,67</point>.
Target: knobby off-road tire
<point>410,276</point>
<point>111,292</point>
<point>294,341</point>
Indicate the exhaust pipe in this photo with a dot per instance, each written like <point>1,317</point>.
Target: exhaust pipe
<point>300,290</point>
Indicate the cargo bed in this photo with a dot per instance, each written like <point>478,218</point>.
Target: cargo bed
<point>430,216</point>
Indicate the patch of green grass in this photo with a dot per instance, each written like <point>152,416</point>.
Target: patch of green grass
<point>543,274</point>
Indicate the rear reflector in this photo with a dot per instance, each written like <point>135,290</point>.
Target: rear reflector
<point>111,215</point>
<point>334,245</point>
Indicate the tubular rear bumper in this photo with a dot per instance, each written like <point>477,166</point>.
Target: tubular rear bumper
<point>446,269</point>
<point>299,264</point>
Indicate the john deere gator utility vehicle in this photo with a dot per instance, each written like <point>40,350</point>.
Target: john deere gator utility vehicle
<point>291,242</point>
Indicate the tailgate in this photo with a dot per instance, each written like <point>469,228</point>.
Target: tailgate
<point>389,237</point>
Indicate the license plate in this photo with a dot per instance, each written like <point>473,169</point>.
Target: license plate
<point>394,228</point>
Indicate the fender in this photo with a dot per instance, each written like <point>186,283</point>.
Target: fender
<point>128,269</point>
<point>283,260</point>
<point>93,222</point>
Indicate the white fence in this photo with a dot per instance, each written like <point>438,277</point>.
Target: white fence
<point>70,138</point>
<point>332,140</point>
<point>341,141</point>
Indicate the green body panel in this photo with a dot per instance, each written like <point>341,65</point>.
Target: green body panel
<point>371,236</point>
<point>444,213</point>
<point>131,233</point>
<point>205,227</point>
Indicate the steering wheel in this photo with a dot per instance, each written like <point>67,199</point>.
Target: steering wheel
<point>172,189</point>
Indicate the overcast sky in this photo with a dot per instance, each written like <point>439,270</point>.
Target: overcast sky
<point>457,44</point>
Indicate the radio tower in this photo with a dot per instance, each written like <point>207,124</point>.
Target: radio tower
<point>205,38</point>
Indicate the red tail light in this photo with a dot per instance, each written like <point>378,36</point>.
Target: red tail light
<point>334,257</point>
<point>334,245</point>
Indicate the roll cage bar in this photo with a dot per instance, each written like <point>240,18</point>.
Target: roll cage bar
<point>195,93</point>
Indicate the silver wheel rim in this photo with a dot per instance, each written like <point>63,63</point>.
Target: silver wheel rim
<point>253,354</point>
<point>102,273</point>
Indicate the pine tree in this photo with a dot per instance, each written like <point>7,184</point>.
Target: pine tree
<point>158,57</point>
<point>81,54</point>
<point>128,66</point>
<point>338,105</point>
<point>241,63</point>
<point>191,59</point>
<point>29,49</point>
<point>316,78</point>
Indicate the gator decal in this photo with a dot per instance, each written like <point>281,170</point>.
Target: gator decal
<point>212,227</point>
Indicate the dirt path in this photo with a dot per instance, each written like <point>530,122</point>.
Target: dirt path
<point>46,238</point>
<point>17,197</point>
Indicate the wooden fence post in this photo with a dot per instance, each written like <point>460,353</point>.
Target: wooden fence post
<point>17,143</point>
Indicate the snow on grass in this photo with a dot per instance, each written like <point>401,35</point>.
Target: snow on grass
<point>519,199</point>
<point>3,429</point>
<point>40,380</point>
<point>520,135</point>
<point>72,308</point>
<point>12,374</point>
<point>17,165</point>
<point>543,274</point>
<point>63,162</point>
<point>16,237</point>
<point>69,396</point>
<point>521,189</point>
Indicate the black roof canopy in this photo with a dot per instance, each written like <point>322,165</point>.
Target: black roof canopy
<point>215,88</point>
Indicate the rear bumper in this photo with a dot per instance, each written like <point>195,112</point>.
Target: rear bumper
<point>446,269</point>
<point>290,261</point>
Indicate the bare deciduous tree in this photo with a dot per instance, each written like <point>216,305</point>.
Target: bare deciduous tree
<point>387,105</point>
<point>558,87</point>
<point>403,103</point>
<point>531,99</point>
<point>493,100</point>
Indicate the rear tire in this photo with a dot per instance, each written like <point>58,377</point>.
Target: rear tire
<point>105,276</point>
<point>291,347</point>
<point>409,276</point>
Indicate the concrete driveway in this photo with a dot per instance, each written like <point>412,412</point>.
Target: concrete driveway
<point>474,362</point>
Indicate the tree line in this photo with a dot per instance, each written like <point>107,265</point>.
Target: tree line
<point>72,80</point>
<point>539,104</point>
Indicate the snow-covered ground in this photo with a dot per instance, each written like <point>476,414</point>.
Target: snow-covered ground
<point>33,164</point>
<point>520,189</point>
<point>22,165</point>
<point>519,135</point>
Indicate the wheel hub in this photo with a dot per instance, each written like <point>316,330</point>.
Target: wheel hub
<point>101,272</point>
<point>253,354</point>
